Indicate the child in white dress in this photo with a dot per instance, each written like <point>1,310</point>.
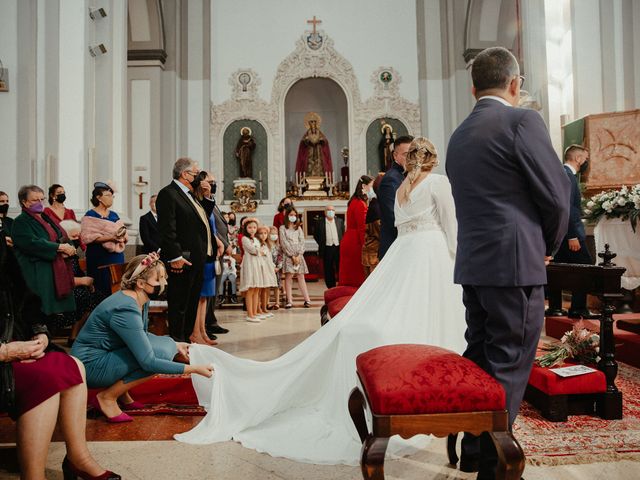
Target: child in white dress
<point>268,269</point>
<point>251,278</point>
<point>277,258</point>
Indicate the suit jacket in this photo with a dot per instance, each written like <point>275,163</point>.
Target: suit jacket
<point>386,199</point>
<point>576,227</point>
<point>511,195</point>
<point>320,232</point>
<point>182,231</point>
<point>222,227</point>
<point>149,232</point>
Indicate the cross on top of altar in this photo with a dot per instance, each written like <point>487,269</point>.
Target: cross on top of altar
<point>314,21</point>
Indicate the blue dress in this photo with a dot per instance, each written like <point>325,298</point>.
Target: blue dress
<point>209,279</point>
<point>98,256</point>
<point>115,344</point>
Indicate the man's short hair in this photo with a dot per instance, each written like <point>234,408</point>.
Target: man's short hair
<point>181,165</point>
<point>494,68</point>
<point>571,150</point>
<point>402,139</point>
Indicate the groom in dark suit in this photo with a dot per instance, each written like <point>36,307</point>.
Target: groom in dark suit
<point>512,204</point>
<point>186,244</point>
<point>387,193</point>
<point>149,228</point>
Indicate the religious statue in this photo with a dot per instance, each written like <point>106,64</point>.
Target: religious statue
<point>244,151</point>
<point>385,147</point>
<point>314,156</point>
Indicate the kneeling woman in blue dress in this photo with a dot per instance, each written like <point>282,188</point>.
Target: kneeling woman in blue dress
<point>116,347</point>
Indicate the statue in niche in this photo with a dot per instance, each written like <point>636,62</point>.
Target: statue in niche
<point>244,151</point>
<point>314,155</point>
<point>385,147</point>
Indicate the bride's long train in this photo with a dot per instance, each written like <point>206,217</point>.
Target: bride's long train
<point>295,406</point>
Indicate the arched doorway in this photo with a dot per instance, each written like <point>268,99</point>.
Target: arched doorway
<point>325,97</point>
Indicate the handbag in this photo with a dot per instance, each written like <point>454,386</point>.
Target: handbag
<point>218,267</point>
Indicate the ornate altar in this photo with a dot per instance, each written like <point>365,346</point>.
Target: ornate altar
<point>244,190</point>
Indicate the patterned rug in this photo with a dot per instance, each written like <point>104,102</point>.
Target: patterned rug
<point>583,438</point>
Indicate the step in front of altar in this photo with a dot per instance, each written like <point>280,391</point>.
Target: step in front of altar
<point>162,389</point>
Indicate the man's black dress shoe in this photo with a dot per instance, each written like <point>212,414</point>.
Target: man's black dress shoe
<point>217,329</point>
<point>469,464</point>
<point>586,314</point>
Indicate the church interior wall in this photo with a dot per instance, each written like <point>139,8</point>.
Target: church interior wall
<point>258,35</point>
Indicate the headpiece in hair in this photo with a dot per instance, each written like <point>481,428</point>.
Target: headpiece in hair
<point>147,262</point>
<point>418,146</point>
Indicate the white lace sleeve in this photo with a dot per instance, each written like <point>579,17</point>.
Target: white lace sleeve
<point>446,209</point>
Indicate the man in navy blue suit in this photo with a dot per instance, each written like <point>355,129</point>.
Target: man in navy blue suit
<point>574,248</point>
<point>512,205</point>
<point>387,193</point>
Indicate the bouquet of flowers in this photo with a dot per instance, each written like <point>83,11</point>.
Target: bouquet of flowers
<point>578,344</point>
<point>623,203</point>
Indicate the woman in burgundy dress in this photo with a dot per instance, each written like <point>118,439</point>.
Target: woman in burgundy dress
<point>351,270</point>
<point>39,385</point>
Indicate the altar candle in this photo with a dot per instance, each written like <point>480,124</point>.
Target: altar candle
<point>260,175</point>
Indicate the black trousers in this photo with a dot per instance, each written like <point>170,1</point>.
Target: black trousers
<point>581,257</point>
<point>503,330</point>
<point>331,260</point>
<point>183,293</point>
<point>211,320</point>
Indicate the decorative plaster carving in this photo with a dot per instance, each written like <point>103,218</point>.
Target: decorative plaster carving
<point>302,63</point>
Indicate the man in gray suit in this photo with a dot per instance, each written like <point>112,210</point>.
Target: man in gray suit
<point>512,204</point>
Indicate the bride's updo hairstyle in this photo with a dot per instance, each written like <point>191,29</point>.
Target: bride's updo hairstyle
<point>141,268</point>
<point>422,156</point>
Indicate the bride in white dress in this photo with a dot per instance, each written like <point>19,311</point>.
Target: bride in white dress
<point>295,406</point>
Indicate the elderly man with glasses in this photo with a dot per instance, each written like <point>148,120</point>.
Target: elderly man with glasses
<point>185,243</point>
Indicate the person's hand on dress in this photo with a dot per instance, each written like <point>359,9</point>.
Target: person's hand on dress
<point>43,341</point>
<point>296,260</point>
<point>183,352</point>
<point>204,370</point>
<point>88,282</point>
<point>574,244</point>
<point>9,241</point>
<point>547,259</point>
<point>22,351</point>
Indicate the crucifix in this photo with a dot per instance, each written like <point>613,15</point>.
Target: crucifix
<point>139,186</point>
<point>314,22</point>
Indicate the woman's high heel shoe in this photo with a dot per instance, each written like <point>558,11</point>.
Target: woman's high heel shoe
<point>70,472</point>
<point>122,418</point>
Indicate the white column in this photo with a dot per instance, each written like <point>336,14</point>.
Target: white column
<point>431,83</point>
<point>535,59</point>
<point>72,151</point>
<point>587,57</point>
<point>613,60</point>
<point>195,22</point>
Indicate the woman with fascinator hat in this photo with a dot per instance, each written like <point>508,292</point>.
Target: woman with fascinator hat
<point>295,406</point>
<point>116,347</point>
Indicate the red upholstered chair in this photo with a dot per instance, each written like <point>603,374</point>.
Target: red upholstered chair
<point>340,291</point>
<point>429,390</point>
<point>337,305</point>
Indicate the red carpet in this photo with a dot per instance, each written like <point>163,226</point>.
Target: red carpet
<point>583,438</point>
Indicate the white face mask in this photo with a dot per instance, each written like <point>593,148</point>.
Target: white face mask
<point>331,214</point>
<point>292,218</point>
<point>273,237</point>
<point>371,194</point>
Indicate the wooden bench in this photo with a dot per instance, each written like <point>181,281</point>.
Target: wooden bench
<point>433,391</point>
<point>554,397</point>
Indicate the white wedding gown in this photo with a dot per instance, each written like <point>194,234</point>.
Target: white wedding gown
<point>296,405</point>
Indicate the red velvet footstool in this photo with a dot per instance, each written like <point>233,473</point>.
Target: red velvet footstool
<point>334,300</point>
<point>557,397</point>
<point>413,389</point>
<point>332,294</point>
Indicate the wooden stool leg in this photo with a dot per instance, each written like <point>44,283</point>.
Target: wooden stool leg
<point>372,458</point>
<point>356,410</point>
<point>510,456</point>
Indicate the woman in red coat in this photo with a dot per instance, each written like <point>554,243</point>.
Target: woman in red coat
<point>351,270</point>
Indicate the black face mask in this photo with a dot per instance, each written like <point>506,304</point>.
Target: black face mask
<point>232,222</point>
<point>61,198</point>
<point>157,292</point>
<point>4,209</point>
<point>214,188</point>
<point>584,167</point>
